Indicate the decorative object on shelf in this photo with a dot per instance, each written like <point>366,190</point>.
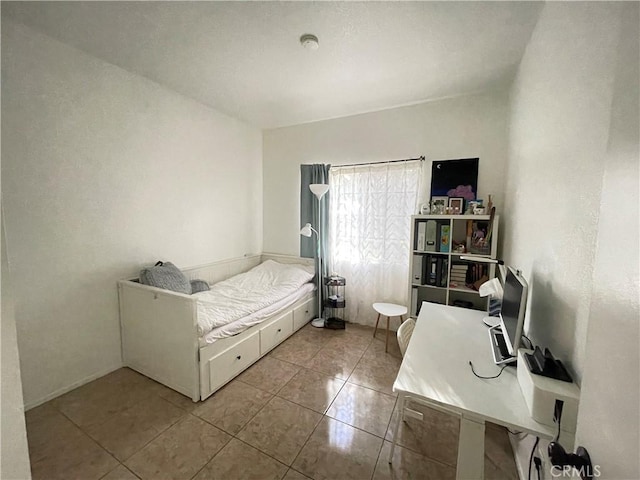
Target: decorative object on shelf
<point>425,209</point>
<point>478,244</point>
<point>459,247</point>
<point>456,204</point>
<point>481,239</point>
<point>319,190</point>
<point>478,207</point>
<point>455,178</point>
<point>439,205</point>
<point>492,215</point>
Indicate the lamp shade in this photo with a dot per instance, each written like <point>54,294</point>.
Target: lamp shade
<point>306,230</point>
<point>319,189</point>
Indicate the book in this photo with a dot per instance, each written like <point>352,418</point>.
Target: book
<point>445,240</point>
<point>455,274</point>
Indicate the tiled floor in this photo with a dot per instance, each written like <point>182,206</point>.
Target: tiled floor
<point>319,406</point>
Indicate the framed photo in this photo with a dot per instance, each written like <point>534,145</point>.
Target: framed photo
<point>439,205</point>
<point>456,204</point>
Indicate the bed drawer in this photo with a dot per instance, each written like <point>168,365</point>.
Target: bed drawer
<point>303,314</point>
<point>231,362</point>
<point>274,333</point>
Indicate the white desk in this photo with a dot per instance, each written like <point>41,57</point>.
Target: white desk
<point>435,371</point>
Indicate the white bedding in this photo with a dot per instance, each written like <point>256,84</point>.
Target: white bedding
<point>240,325</point>
<point>248,293</point>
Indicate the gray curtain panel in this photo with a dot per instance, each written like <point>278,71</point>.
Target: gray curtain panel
<point>316,173</point>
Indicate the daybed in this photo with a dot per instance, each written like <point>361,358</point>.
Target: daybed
<point>160,333</point>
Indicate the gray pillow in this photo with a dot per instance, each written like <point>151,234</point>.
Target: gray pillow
<point>165,275</point>
<point>199,286</point>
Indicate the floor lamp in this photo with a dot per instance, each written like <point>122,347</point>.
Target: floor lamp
<point>319,190</point>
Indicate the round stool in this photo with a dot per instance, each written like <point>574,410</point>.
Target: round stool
<point>388,310</point>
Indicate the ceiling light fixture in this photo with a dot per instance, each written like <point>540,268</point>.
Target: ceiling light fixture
<point>310,42</point>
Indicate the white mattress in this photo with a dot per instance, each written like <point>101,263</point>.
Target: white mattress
<point>244,295</point>
<point>242,324</point>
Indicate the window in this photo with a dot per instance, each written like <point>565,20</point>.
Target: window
<point>370,226</point>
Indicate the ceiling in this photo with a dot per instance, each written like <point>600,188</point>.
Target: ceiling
<point>244,58</point>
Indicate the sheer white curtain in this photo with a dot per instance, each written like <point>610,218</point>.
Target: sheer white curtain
<point>370,225</point>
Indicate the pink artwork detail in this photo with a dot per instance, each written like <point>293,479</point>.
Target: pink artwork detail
<point>464,191</point>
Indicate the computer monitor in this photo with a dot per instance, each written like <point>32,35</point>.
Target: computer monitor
<point>514,304</point>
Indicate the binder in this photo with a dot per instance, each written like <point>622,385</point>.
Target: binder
<point>422,232</point>
<point>418,274</point>
<point>439,271</point>
<point>445,273</point>
<point>414,301</point>
<point>430,238</point>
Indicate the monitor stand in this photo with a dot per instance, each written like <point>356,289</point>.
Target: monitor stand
<point>499,350</point>
<point>491,321</point>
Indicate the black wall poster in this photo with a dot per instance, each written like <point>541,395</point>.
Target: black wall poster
<point>455,178</point>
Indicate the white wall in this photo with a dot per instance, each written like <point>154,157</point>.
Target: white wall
<point>572,224</point>
<point>14,452</point>
<point>610,402</point>
<point>470,126</point>
<point>560,106</point>
<point>104,172</point>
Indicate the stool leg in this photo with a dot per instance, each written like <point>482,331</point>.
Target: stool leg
<point>401,319</point>
<point>386,343</point>
<point>376,329</point>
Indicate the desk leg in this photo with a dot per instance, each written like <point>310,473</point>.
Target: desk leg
<point>470,449</point>
<point>401,399</point>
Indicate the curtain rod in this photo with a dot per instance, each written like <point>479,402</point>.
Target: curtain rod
<point>421,158</point>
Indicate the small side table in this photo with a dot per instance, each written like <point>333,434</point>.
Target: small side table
<point>335,303</point>
<point>388,310</point>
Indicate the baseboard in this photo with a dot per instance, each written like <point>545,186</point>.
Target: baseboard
<point>68,388</point>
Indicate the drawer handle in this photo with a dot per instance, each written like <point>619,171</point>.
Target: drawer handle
<point>238,357</point>
<point>279,330</point>
<point>306,311</point>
